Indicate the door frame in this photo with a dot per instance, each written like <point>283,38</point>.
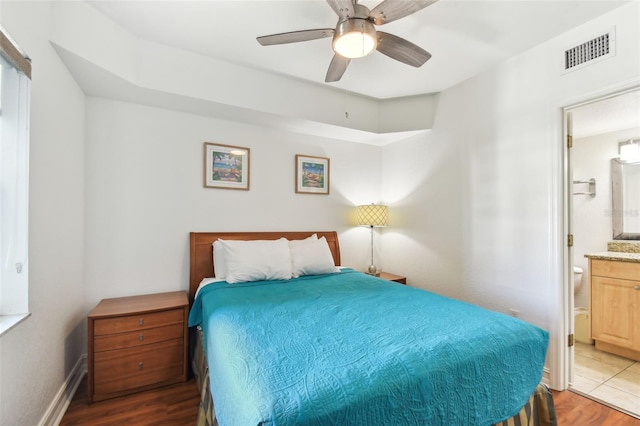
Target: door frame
<point>564,375</point>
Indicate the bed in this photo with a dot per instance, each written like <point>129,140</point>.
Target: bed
<point>341,347</point>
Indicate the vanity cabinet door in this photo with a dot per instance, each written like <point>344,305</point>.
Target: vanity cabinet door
<point>615,305</point>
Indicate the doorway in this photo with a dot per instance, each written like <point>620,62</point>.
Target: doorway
<point>596,128</point>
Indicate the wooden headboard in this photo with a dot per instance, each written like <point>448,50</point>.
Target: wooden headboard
<point>201,248</point>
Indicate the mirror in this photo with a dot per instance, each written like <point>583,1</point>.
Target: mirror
<point>625,182</point>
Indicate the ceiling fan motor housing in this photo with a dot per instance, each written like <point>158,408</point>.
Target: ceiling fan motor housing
<point>362,29</point>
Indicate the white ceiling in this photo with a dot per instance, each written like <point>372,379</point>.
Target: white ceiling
<point>465,37</point>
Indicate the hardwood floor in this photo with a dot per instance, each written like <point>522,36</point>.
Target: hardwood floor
<point>174,405</point>
<point>573,409</point>
<point>177,405</point>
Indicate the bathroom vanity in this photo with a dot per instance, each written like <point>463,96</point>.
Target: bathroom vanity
<point>615,302</point>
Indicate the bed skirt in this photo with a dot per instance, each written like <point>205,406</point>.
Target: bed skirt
<point>538,411</point>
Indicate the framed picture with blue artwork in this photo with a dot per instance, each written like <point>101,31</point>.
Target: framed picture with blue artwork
<point>226,166</point>
<point>312,174</point>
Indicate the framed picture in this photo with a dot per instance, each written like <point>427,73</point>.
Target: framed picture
<point>312,174</point>
<point>226,166</point>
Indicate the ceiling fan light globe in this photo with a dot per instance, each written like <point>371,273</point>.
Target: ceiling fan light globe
<point>354,38</point>
<point>354,45</point>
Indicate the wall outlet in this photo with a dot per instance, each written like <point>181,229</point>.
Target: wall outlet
<point>514,312</point>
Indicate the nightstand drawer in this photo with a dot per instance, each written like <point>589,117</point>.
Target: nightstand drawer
<point>136,322</point>
<point>126,369</point>
<point>147,336</point>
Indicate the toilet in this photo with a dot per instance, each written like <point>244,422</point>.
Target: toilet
<point>577,279</point>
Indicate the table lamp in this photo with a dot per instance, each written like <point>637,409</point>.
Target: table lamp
<point>373,216</point>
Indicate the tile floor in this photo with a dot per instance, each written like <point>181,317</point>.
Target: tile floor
<point>609,378</point>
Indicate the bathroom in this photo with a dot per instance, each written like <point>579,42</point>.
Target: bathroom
<point>600,130</point>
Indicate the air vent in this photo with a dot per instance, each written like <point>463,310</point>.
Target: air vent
<point>598,48</point>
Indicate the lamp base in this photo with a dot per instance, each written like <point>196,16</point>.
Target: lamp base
<point>373,270</point>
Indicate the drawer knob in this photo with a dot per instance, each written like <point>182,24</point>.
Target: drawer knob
<point>141,321</point>
<point>636,287</point>
<point>140,365</point>
<point>141,337</point>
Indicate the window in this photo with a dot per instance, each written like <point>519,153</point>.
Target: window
<point>15,74</point>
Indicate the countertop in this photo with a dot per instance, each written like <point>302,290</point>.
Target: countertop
<point>615,255</point>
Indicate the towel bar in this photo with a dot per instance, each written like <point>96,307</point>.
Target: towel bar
<point>592,187</point>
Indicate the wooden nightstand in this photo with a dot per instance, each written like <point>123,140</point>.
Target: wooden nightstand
<point>137,343</point>
<point>392,277</point>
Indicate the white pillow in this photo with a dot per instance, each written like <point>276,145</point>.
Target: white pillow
<point>256,260</point>
<point>310,257</point>
<point>294,243</point>
<point>219,263</point>
<point>219,255</point>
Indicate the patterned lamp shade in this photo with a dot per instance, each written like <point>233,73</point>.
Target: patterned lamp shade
<point>373,215</point>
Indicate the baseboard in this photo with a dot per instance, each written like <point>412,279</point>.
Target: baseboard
<point>546,376</point>
<point>58,406</point>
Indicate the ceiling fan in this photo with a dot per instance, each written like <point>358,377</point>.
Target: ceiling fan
<point>355,34</point>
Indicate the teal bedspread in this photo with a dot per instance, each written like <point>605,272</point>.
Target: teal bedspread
<point>351,349</point>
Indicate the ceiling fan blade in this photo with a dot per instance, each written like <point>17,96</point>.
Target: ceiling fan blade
<point>295,36</point>
<point>401,50</point>
<point>391,10</point>
<point>337,67</point>
<point>343,8</point>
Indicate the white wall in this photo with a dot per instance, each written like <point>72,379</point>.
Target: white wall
<point>482,193</point>
<point>592,220</point>
<point>422,183</point>
<point>144,193</point>
<point>37,355</point>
